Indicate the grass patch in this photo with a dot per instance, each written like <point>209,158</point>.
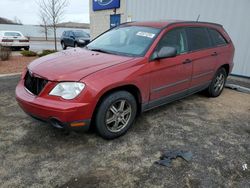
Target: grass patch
<point>29,53</point>
<point>46,52</point>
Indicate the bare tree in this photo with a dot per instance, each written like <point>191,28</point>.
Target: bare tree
<point>17,21</point>
<point>44,24</point>
<point>54,9</point>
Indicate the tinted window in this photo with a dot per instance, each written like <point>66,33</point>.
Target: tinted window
<point>66,34</point>
<point>71,34</point>
<point>174,38</point>
<point>198,38</point>
<point>218,39</point>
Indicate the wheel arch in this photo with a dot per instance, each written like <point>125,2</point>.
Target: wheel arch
<point>226,67</point>
<point>133,89</point>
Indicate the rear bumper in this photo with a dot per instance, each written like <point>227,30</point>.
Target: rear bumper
<point>12,44</point>
<point>58,113</point>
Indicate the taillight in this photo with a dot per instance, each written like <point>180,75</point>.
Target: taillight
<point>7,40</point>
<point>23,40</point>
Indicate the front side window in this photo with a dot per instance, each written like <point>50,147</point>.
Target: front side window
<point>218,39</point>
<point>198,38</point>
<point>125,40</point>
<point>175,38</point>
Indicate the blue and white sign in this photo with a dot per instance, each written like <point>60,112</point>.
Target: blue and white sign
<point>105,4</point>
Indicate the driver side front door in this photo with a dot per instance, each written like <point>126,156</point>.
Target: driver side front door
<point>170,77</point>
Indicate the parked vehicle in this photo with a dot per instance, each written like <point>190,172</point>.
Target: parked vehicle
<point>125,71</point>
<point>74,39</point>
<point>14,39</point>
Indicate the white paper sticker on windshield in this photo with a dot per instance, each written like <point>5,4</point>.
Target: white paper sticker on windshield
<point>145,34</point>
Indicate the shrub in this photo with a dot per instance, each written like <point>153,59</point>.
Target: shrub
<point>46,52</point>
<point>28,53</point>
<point>5,53</point>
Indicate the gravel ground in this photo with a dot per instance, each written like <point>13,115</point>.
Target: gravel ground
<point>15,64</point>
<point>215,130</point>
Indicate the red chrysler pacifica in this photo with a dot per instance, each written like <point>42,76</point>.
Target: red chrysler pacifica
<point>127,70</point>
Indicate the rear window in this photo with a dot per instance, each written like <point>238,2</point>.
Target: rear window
<point>198,38</point>
<point>218,39</point>
<point>12,34</point>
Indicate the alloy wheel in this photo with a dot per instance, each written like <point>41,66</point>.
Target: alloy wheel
<point>219,83</point>
<point>118,116</point>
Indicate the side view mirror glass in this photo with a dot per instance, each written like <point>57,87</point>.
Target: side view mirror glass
<point>165,52</point>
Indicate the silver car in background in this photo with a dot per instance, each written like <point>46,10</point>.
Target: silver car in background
<point>14,39</point>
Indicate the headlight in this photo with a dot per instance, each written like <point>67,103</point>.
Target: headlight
<point>81,41</point>
<point>67,90</point>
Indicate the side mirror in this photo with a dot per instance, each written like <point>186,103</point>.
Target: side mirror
<point>165,52</point>
<point>71,36</point>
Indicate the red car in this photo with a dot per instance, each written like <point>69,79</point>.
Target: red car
<point>125,71</point>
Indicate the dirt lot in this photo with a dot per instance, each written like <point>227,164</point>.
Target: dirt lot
<point>216,131</point>
<point>15,64</point>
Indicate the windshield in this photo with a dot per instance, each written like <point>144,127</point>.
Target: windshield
<point>81,34</point>
<point>126,40</point>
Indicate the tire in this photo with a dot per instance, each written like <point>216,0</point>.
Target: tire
<point>115,114</point>
<point>27,48</point>
<point>75,45</point>
<point>64,47</point>
<point>217,85</point>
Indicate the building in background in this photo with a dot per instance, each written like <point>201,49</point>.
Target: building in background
<point>233,15</point>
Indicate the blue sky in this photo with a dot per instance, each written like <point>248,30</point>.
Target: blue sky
<point>28,11</point>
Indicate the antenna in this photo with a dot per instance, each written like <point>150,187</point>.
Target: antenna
<point>198,18</point>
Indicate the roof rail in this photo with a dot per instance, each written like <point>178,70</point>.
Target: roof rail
<point>195,22</point>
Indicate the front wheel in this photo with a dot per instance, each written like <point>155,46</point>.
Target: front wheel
<point>64,47</point>
<point>27,48</point>
<point>115,114</point>
<point>217,85</point>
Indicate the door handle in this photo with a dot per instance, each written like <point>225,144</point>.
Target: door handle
<point>187,61</point>
<point>214,54</point>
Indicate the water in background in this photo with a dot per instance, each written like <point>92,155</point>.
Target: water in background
<point>35,31</point>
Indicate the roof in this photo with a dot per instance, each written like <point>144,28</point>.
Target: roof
<point>163,24</point>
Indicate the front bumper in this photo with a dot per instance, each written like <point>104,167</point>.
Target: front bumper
<point>60,114</point>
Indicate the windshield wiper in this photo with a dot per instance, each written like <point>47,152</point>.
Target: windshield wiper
<point>99,50</point>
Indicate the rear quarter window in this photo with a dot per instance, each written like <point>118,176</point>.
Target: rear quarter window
<point>198,38</point>
<point>218,39</point>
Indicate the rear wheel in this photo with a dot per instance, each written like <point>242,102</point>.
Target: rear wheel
<point>115,114</point>
<point>27,48</point>
<point>64,47</point>
<point>217,85</point>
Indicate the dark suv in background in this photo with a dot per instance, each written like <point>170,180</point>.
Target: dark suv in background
<point>74,39</point>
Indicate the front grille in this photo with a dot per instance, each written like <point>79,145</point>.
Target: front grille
<point>34,84</point>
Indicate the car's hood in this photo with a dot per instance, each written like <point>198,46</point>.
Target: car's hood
<point>74,64</point>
